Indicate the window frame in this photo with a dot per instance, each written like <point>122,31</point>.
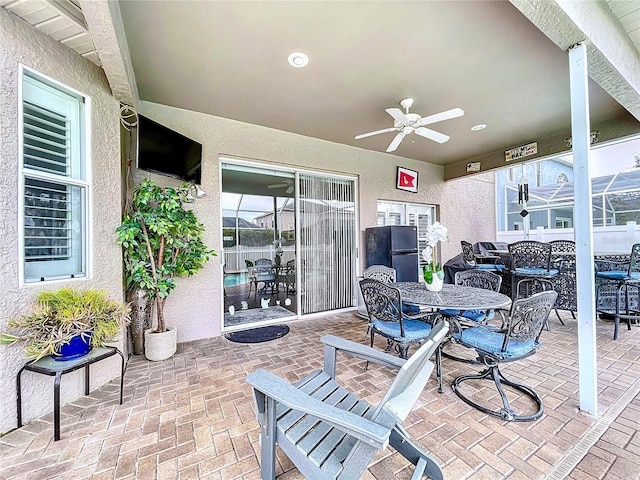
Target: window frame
<point>79,177</point>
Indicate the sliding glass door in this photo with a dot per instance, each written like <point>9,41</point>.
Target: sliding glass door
<point>328,242</point>
<point>302,225</point>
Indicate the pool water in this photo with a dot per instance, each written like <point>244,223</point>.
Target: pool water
<point>231,279</point>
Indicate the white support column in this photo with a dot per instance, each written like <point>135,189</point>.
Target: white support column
<point>582,215</point>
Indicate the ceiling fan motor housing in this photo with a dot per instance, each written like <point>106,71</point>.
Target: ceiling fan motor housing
<point>411,119</point>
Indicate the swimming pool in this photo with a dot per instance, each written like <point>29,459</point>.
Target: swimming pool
<point>237,278</point>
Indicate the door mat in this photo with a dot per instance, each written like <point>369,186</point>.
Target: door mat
<point>258,335</point>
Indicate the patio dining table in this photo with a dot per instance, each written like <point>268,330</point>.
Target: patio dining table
<point>454,297</point>
<point>451,297</point>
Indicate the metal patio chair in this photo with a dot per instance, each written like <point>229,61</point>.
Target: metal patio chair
<point>563,257</point>
<point>531,262</point>
<point>467,318</point>
<point>330,433</point>
<point>263,272</point>
<point>519,339</point>
<point>479,262</point>
<point>387,318</point>
<point>614,289</point>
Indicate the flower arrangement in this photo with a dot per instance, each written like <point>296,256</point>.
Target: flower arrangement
<point>433,274</point>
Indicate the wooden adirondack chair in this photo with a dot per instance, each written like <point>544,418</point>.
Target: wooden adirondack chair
<point>326,431</point>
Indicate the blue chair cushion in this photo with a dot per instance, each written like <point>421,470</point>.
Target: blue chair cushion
<point>618,275</point>
<point>491,342</point>
<point>537,272</point>
<point>410,309</point>
<point>489,266</point>
<point>413,329</point>
<point>477,316</point>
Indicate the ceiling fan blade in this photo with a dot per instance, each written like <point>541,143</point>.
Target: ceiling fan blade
<point>395,142</point>
<point>439,117</point>
<point>290,189</point>
<point>397,115</point>
<point>386,130</point>
<point>432,134</point>
<point>277,185</point>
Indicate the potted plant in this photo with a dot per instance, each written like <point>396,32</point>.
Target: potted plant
<point>161,240</point>
<point>433,273</point>
<point>67,319</point>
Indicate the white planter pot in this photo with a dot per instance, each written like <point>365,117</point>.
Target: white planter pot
<point>160,346</point>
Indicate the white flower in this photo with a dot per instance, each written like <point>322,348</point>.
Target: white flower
<point>427,254</point>
<point>436,232</point>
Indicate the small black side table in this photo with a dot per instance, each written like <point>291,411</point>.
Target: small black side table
<point>50,367</point>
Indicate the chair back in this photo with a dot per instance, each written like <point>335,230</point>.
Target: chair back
<point>562,246</point>
<point>290,275</point>
<point>479,279</point>
<point>528,317</point>
<point>380,272</point>
<point>382,300</point>
<point>634,262</point>
<point>291,267</point>
<point>467,252</point>
<point>410,380</point>
<point>530,254</point>
<point>263,269</point>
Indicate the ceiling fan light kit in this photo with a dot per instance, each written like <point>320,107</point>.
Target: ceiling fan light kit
<point>405,123</point>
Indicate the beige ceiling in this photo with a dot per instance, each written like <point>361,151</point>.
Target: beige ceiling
<point>229,59</point>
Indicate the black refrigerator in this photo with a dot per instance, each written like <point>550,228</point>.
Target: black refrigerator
<point>394,246</point>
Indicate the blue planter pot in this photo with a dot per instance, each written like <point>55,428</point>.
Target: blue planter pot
<point>78,346</point>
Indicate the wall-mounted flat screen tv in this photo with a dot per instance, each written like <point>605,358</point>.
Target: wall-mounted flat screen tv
<point>166,152</point>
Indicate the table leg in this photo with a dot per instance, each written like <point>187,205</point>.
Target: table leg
<point>87,381</point>
<point>19,390</point>
<point>56,407</point>
<point>121,374</point>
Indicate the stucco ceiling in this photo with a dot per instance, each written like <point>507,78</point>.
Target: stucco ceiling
<point>229,59</point>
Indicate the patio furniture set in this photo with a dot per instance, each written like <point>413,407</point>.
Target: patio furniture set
<point>271,276</point>
<point>328,432</point>
<point>552,266</point>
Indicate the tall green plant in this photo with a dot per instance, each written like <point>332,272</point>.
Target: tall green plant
<point>161,240</point>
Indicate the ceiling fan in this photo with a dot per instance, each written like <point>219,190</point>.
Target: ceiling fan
<point>285,183</point>
<point>406,123</point>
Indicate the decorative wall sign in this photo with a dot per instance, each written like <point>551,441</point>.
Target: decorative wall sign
<point>473,167</point>
<point>407,180</point>
<point>521,151</point>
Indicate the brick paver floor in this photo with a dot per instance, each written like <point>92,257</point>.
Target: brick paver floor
<point>192,416</point>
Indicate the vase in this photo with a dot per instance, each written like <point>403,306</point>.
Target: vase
<point>433,280</point>
<point>160,345</point>
<point>78,346</point>
<point>141,309</point>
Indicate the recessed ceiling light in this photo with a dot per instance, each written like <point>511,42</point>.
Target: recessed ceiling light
<point>480,126</point>
<point>298,60</point>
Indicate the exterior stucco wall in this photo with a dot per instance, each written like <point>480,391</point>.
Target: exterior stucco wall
<point>195,306</point>
<point>468,211</point>
<point>22,44</point>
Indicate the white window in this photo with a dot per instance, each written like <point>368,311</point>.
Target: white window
<point>54,187</point>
